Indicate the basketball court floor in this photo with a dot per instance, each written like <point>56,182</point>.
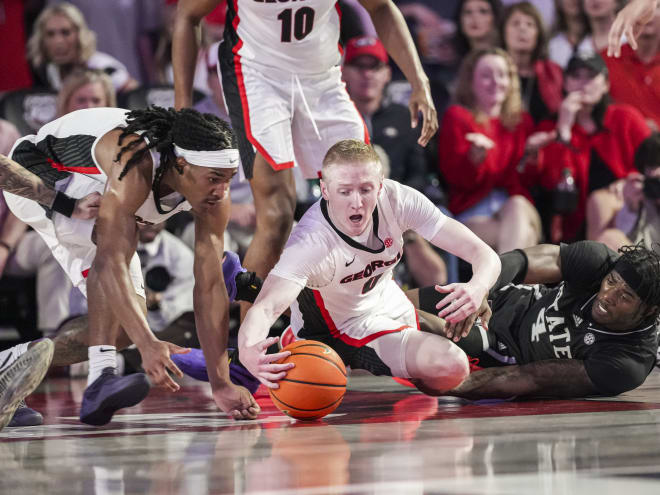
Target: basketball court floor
<point>384,438</point>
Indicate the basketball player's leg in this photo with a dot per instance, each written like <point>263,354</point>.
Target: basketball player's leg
<point>106,392</point>
<point>275,202</point>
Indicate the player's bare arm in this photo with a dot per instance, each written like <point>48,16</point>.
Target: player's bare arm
<point>276,295</point>
<point>116,240</point>
<point>17,180</point>
<point>462,304</point>
<point>393,32</point>
<point>543,264</point>
<point>211,306</point>
<point>629,22</point>
<point>557,378</point>
<point>185,45</point>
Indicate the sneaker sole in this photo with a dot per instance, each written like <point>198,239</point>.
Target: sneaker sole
<point>23,376</point>
<point>126,397</point>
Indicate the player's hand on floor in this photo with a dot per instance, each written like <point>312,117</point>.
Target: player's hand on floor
<point>156,361</point>
<point>421,102</point>
<point>262,365</point>
<point>236,401</point>
<point>87,207</point>
<point>460,307</point>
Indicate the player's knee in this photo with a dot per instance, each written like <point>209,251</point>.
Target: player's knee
<point>276,221</point>
<point>450,368</point>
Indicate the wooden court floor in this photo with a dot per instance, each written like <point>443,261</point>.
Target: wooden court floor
<point>384,438</point>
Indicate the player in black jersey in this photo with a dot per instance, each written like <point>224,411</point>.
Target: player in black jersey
<point>595,332</point>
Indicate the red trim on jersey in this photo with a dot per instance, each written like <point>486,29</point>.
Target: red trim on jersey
<point>244,102</point>
<point>85,273</point>
<point>417,319</point>
<point>345,338</point>
<point>80,170</point>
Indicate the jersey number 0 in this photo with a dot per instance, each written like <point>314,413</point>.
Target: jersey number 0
<point>303,22</point>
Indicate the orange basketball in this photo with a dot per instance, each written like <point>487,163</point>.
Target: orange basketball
<point>315,386</point>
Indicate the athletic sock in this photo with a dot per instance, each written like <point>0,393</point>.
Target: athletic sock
<point>100,357</point>
<point>12,354</point>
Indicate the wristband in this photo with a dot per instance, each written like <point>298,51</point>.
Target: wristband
<point>63,204</point>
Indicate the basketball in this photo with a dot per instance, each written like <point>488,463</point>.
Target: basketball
<point>315,386</point>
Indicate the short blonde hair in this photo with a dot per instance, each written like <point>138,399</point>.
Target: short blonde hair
<point>511,113</point>
<point>79,78</point>
<point>350,151</point>
<point>86,37</point>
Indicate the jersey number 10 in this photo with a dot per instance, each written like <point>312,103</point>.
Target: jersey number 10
<point>303,22</point>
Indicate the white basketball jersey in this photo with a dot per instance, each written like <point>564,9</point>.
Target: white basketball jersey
<point>300,36</point>
<point>360,283</point>
<point>62,154</point>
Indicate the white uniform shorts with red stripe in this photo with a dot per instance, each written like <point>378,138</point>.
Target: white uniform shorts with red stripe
<point>70,240</point>
<point>290,119</point>
<point>375,342</point>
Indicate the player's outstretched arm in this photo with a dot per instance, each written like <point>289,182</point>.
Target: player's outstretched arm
<point>185,45</point>
<point>393,32</point>
<point>211,305</point>
<point>629,22</point>
<point>460,306</point>
<point>276,295</point>
<point>557,378</point>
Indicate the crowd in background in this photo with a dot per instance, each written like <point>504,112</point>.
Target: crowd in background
<point>543,138</point>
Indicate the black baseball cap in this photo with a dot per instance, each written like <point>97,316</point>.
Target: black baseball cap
<point>591,61</point>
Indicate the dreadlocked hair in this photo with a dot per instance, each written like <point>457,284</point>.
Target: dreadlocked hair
<point>161,128</point>
<point>647,264</point>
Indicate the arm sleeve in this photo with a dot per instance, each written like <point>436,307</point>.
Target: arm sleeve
<point>616,369</point>
<point>585,263</point>
<point>413,210</point>
<point>306,260</point>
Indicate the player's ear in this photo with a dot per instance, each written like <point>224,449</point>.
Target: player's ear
<point>324,190</point>
<point>181,164</point>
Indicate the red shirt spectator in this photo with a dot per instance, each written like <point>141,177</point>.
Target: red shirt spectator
<point>469,183</point>
<point>14,65</point>
<point>595,159</point>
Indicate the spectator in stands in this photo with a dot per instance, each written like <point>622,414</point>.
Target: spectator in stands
<point>61,41</point>
<point>85,88</point>
<point>600,16</point>
<point>630,214</point>
<point>635,76</point>
<point>125,30</point>
<point>525,39</point>
<point>596,140</point>
<point>477,24</point>
<point>568,31</point>
<point>367,73</point>
<point>483,139</point>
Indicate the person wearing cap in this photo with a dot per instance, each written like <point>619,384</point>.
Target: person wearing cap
<point>281,76</point>
<point>594,331</point>
<point>596,139</point>
<point>84,182</point>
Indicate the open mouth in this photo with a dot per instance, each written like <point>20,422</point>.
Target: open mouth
<point>598,306</point>
<point>355,218</point>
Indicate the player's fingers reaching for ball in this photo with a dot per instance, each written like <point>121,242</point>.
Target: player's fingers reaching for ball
<point>266,343</point>
<point>169,364</point>
<point>277,356</point>
<point>430,125</point>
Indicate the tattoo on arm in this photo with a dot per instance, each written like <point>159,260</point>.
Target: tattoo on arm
<point>559,378</point>
<point>71,342</point>
<point>17,180</point>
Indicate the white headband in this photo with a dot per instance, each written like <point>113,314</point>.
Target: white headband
<point>227,158</point>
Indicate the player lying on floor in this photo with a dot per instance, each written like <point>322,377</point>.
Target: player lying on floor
<point>593,333</point>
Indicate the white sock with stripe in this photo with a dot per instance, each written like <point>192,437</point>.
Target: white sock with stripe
<point>100,357</point>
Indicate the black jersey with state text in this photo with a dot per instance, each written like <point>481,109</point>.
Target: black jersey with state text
<point>539,323</point>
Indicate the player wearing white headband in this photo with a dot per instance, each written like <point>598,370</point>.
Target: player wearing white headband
<point>84,182</point>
